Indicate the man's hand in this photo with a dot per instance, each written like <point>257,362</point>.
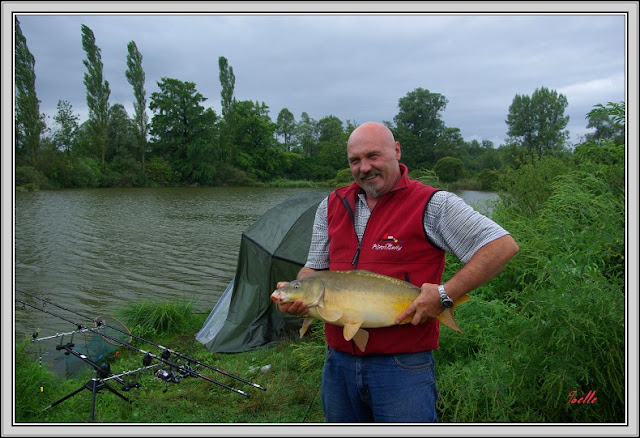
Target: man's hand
<point>297,308</point>
<point>425,307</point>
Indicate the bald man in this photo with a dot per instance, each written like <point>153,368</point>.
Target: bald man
<point>393,380</point>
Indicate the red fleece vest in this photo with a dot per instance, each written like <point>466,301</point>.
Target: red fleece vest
<point>394,244</point>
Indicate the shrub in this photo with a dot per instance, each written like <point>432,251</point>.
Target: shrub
<point>553,321</point>
<point>490,179</point>
<point>449,169</point>
<point>159,171</point>
<point>426,176</point>
<point>343,177</point>
<point>28,177</point>
<point>531,184</point>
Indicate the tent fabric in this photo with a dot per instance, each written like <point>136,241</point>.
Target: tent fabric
<point>272,249</point>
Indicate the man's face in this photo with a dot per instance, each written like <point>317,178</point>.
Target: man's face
<point>373,159</point>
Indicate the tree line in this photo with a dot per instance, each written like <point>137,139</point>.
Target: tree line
<point>187,143</point>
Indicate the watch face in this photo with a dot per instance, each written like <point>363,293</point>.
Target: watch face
<point>447,304</point>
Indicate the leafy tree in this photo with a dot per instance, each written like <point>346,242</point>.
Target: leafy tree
<point>450,144</point>
<point>135,76</point>
<point>609,122</point>
<point>123,168</point>
<point>351,126</point>
<point>68,124</point>
<point>307,134</point>
<point>285,126</point>
<point>330,129</point>
<point>252,133</point>
<point>121,139</point>
<point>490,179</point>
<point>97,91</point>
<point>449,169</point>
<point>200,165</point>
<point>537,123</point>
<point>183,130</point>
<point>490,157</point>
<point>227,101</point>
<point>28,120</point>
<point>332,140</point>
<point>228,81</point>
<point>333,155</point>
<point>419,125</point>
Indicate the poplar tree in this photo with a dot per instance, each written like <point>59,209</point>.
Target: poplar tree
<point>28,120</point>
<point>97,91</point>
<point>135,76</point>
<point>228,81</point>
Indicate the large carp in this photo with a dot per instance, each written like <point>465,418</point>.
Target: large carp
<point>355,300</point>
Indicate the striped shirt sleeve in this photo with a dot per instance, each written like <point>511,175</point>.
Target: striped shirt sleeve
<point>456,227</point>
<point>318,257</point>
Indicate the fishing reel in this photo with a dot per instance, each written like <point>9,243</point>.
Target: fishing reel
<point>167,376</point>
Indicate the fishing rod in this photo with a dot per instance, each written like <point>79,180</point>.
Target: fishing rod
<point>57,335</point>
<point>165,350</point>
<point>185,370</point>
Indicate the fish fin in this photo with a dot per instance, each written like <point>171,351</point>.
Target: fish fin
<point>350,329</point>
<point>329,315</point>
<point>446,318</point>
<point>361,338</point>
<point>305,325</point>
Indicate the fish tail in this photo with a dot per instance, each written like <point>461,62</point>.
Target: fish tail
<point>446,317</point>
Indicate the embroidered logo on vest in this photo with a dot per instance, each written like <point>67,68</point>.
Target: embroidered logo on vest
<point>387,243</point>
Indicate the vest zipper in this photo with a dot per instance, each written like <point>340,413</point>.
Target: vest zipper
<point>356,256</point>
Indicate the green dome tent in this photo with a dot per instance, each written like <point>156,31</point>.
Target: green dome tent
<point>273,249</point>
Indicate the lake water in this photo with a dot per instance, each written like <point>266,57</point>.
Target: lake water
<point>99,250</point>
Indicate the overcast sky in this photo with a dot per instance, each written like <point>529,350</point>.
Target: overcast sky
<point>353,66</point>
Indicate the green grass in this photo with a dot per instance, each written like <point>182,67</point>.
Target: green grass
<point>291,395</point>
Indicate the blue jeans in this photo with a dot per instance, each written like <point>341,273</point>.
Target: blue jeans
<point>394,388</point>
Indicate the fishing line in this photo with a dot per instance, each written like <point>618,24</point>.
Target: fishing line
<point>101,321</point>
<point>165,350</point>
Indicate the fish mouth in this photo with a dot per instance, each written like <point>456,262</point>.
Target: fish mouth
<point>275,297</point>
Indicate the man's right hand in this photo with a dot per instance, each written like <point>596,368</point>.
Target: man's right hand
<point>297,308</point>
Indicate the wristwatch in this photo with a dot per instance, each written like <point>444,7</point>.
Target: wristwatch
<point>445,301</point>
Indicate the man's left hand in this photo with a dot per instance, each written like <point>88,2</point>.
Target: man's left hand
<point>425,307</point>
